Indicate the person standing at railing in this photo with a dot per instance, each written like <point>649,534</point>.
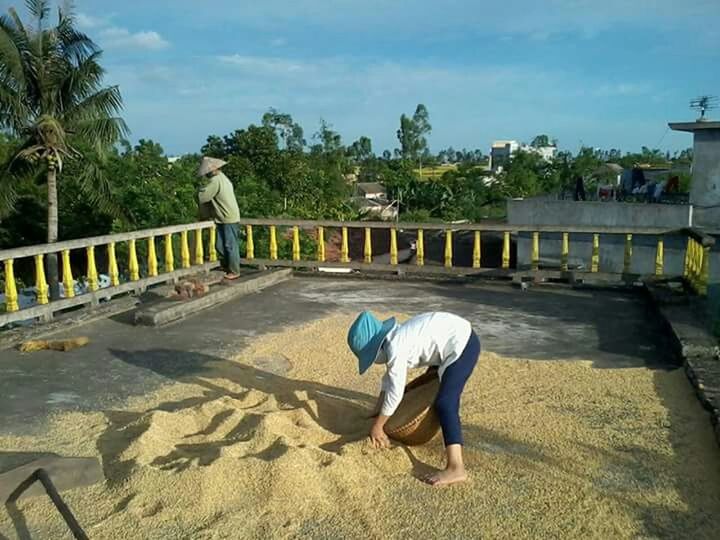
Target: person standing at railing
<point>217,201</point>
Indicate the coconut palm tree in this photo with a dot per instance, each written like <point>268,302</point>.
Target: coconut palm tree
<point>53,101</point>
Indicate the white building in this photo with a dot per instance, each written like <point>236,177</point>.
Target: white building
<point>502,150</point>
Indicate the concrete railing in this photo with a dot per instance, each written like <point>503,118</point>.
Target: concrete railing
<point>202,258</point>
<point>696,265</point>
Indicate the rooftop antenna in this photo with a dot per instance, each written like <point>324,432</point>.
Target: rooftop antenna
<point>703,104</point>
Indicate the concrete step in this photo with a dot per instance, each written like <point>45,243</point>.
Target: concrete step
<point>167,310</point>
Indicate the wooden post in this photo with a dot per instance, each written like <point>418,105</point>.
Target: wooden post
<point>535,258</point>
<point>11,294</point>
<point>420,253</point>
<point>565,256</point>
<point>68,282</point>
<point>199,254</point>
<point>296,244</point>
<point>506,250</point>
<point>92,274</point>
<point>320,244</point>
<point>184,250</point>
<point>212,251</point>
<point>627,261</point>
<point>448,249</point>
<point>704,270</point>
<point>660,257</point>
<point>40,281</point>
<point>152,258</point>
<point>345,249</point>
<point>169,254</point>
<point>113,271</point>
<point>595,260</point>
<point>273,243</point>
<point>133,262</point>
<point>477,254</point>
<point>250,245</point>
<point>393,247</point>
<point>368,246</point>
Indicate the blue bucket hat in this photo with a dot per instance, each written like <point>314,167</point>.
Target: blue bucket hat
<point>365,337</point>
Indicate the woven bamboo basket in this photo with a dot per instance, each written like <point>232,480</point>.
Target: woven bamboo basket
<point>415,421</point>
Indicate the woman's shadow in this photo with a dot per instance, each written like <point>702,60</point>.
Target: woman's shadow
<point>342,412</point>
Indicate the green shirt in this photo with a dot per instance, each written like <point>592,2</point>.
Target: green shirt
<point>217,200</point>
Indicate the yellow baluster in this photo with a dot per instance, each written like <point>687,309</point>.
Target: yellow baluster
<point>68,282</point>
<point>627,263</point>
<point>212,252</point>
<point>476,250</point>
<point>250,246</point>
<point>393,247</point>
<point>169,254</point>
<point>273,243</point>
<point>296,244</point>
<point>660,257</point>
<point>448,249</point>
<point>704,271</point>
<point>92,274</point>
<point>368,246</point>
<point>420,253</point>
<point>565,254</point>
<point>345,249</point>
<point>320,244</point>
<point>152,258</point>
<point>184,250</point>
<point>535,258</point>
<point>133,265</point>
<point>113,271</point>
<point>40,281</point>
<point>11,294</point>
<point>595,262</point>
<point>199,254</point>
<point>506,250</point>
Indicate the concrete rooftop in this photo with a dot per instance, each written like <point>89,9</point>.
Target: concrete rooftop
<point>611,329</point>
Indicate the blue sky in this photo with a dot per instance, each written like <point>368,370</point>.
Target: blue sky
<point>609,73</point>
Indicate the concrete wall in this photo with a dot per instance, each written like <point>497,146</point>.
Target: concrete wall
<point>544,211</point>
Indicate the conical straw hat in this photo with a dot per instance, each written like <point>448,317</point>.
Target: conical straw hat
<point>209,164</point>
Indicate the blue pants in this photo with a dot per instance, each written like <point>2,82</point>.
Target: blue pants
<point>227,246</point>
<point>447,403</point>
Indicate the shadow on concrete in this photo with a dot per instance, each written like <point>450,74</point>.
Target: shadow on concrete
<point>339,411</point>
<point>624,324</point>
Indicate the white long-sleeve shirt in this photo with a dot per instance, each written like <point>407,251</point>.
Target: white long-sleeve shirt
<point>430,339</point>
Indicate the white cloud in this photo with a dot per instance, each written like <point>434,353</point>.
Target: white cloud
<point>115,37</point>
<point>267,65</point>
<point>88,22</point>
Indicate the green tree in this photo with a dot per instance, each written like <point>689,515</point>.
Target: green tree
<point>360,150</point>
<point>52,99</point>
<point>540,141</point>
<point>290,133</point>
<point>412,134</point>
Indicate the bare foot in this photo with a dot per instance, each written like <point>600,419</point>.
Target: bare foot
<point>447,477</point>
<point>231,276</point>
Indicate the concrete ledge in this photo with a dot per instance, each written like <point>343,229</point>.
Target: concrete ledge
<point>167,311</point>
<point>698,349</point>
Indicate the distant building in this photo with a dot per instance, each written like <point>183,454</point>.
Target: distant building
<point>502,151</point>
<point>371,190</point>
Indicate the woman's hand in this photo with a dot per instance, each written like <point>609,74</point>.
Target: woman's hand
<point>377,434</point>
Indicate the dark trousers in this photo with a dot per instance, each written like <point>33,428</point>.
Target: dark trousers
<point>447,403</point>
<point>227,246</point>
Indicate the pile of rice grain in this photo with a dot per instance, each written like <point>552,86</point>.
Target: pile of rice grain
<point>273,444</point>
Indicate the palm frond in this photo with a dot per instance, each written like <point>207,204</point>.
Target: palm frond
<point>39,9</point>
<point>102,132</point>
<point>11,52</point>
<point>95,184</point>
<point>105,103</point>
